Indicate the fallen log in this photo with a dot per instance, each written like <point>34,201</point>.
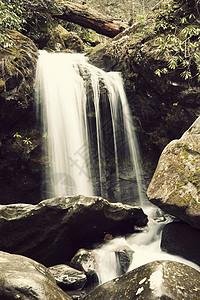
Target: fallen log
<point>89,18</point>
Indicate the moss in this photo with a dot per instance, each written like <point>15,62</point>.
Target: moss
<point>180,184</point>
<point>2,86</point>
<point>183,201</point>
<point>185,153</point>
<point>194,178</point>
<point>177,200</point>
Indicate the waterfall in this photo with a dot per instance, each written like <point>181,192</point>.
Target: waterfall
<point>87,127</point>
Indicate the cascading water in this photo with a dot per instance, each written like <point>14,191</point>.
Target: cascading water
<point>145,247</point>
<point>89,138</point>
<point>61,100</point>
<point>87,124</point>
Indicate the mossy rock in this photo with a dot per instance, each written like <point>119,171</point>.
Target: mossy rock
<point>175,186</point>
<point>61,39</point>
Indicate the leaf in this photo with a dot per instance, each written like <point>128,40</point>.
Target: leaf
<point>165,71</point>
<point>183,20</point>
<point>158,72</point>
<point>172,64</point>
<point>186,75</point>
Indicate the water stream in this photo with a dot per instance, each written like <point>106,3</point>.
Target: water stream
<point>89,138</point>
<point>145,246</point>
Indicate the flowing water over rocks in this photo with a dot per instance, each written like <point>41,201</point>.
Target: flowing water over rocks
<point>144,244</point>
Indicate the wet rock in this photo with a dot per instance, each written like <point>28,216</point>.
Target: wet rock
<point>54,229</point>
<point>124,255</point>
<point>155,280</point>
<point>181,239</point>
<point>175,185</point>
<point>23,278</point>
<point>84,260</point>
<point>68,278</point>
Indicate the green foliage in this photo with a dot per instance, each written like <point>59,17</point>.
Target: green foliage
<point>10,18</point>
<point>25,140</point>
<point>178,40</point>
<point>22,144</point>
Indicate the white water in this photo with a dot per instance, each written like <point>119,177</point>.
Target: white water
<point>60,90</point>
<point>146,247</point>
<point>62,84</point>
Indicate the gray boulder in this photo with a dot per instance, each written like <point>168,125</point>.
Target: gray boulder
<point>68,278</point>
<point>175,186</point>
<point>156,280</point>
<point>181,239</point>
<point>22,278</point>
<point>53,230</point>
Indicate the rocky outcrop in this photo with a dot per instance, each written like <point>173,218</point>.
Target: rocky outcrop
<point>155,280</point>
<point>175,185</point>
<point>181,239</point>
<point>53,230</point>
<point>23,278</point>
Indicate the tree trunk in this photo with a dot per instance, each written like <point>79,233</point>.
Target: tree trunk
<point>86,17</point>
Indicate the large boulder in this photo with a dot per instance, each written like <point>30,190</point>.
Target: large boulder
<point>175,186</point>
<point>181,239</point>
<point>23,278</point>
<point>156,280</point>
<point>53,230</point>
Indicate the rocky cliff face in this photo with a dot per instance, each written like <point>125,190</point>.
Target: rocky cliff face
<point>163,100</point>
<point>19,136</point>
<point>163,107</point>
